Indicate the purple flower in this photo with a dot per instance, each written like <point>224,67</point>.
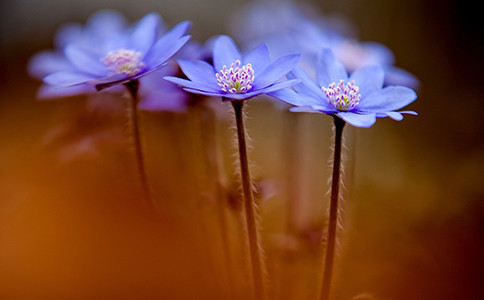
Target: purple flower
<point>234,76</point>
<point>105,56</point>
<point>357,99</point>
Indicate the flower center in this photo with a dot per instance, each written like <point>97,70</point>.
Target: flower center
<point>236,79</point>
<point>124,61</point>
<point>343,96</point>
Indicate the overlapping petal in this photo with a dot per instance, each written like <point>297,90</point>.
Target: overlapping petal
<point>358,104</point>
<point>203,76</point>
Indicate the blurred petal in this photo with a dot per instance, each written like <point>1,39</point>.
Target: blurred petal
<point>66,78</point>
<point>145,34</point>
<point>225,52</point>
<point>67,34</point>
<point>52,92</point>
<point>105,23</point>
<point>168,45</point>
<point>329,69</point>
<point>85,62</point>
<point>46,62</point>
<point>397,76</point>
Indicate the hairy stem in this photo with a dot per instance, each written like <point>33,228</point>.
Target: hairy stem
<point>133,87</point>
<point>254,247</point>
<point>333,210</point>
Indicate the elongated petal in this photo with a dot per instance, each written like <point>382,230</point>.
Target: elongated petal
<point>368,79</point>
<point>387,99</point>
<point>67,34</point>
<point>310,109</point>
<point>258,58</point>
<point>49,92</point>
<point>199,71</point>
<point>397,116</point>
<point>225,52</point>
<point>397,76</point>
<point>145,34</point>
<point>84,61</point>
<point>276,70</point>
<point>205,93</point>
<point>357,120</point>
<point>105,23</point>
<point>192,85</point>
<point>290,96</point>
<point>169,44</point>
<point>66,78</point>
<point>329,69</point>
<point>46,62</point>
<point>307,87</point>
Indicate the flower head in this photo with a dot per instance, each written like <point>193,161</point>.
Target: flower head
<point>234,76</point>
<point>358,99</point>
<point>103,56</point>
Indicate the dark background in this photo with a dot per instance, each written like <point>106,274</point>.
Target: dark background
<point>414,214</point>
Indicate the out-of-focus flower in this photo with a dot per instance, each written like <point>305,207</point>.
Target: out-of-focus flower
<point>105,54</point>
<point>291,28</point>
<point>357,99</point>
<point>99,27</point>
<point>233,76</point>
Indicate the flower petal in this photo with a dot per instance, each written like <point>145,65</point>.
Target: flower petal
<point>290,96</point>
<point>205,93</point>
<point>199,71</point>
<point>387,99</point>
<point>397,116</point>
<point>329,69</point>
<point>397,76</point>
<point>368,79</point>
<point>84,61</point>
<point>258,58</point>
<point>66,78</point>
<point>225,52</point>
<point>46,62</point>
<point>308,109</point>
<point>47,92</point>
<point>357,120</point>
<point>105,23</point>
<point>192,85</point>
<point>145,34</point>
<point>168,44</point>
<point>276,71</point>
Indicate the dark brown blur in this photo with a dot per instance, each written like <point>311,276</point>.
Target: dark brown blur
<point>73,225</point>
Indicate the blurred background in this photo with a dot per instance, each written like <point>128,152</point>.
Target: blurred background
<point>72,225</point>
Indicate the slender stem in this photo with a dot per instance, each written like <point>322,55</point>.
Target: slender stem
<point>255,255</point>
<point>333,210</point>
<point>133,87</point>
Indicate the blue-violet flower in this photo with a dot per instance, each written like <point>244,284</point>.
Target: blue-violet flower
<point>357,99</point>
<point>120,57</point>
<point>234,76</point>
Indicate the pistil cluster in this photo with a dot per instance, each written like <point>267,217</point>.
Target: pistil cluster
<point>343,96</point>
<point>236,79</point>
<point>124,61</point>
